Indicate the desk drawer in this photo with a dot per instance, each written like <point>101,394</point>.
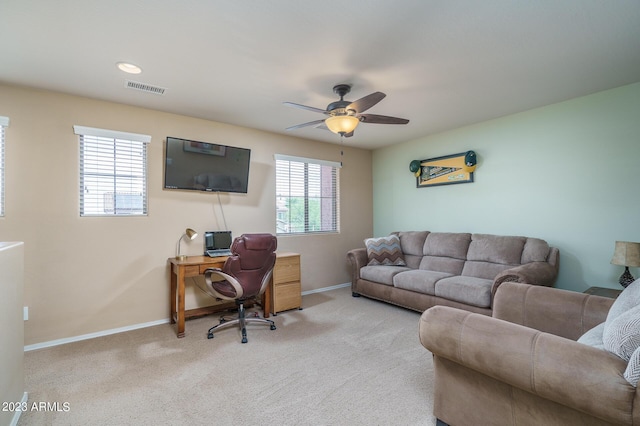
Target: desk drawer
<point>191,271</point>
<point>205,267</point>
<point>286,296</point>
<point>287,269</point>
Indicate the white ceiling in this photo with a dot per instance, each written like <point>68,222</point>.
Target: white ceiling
<point>442,63</point>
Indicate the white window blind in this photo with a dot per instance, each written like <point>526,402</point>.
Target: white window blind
<point>4,122</point>
<point>307,195</point>
<point>113,172</point>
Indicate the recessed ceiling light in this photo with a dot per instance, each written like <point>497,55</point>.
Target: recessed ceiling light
<point>129,68</point>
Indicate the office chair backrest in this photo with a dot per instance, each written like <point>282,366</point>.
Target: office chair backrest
<point>252,261</point>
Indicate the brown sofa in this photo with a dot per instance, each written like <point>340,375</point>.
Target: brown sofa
<point>523,365</point>
<point>460,270</point>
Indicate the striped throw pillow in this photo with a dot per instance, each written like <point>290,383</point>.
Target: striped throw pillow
<point>384,251</point>
<point>622,335</point>
<point>632,373</point>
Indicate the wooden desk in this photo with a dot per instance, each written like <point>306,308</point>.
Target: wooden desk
<point>193,266</point>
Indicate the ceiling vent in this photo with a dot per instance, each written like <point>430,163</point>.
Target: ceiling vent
<point>144,87</point>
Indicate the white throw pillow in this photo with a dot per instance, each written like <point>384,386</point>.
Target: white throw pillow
<point>622,334</point>
<point>632,373</point>
<point>593,337</point>
<point>629,298</point>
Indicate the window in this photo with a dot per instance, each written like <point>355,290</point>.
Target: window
<point>113,172</point>
<point>306,195</point>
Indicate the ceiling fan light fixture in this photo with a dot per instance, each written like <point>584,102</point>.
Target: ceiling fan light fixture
<point>342,124</point>
<point>344,116</point>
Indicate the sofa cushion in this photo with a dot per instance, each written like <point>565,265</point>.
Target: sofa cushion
<point>419,281</point>
<point>381,273</point>
<point>496,249</point>
<point>470,290</point>
<point>384,251</point>
<point>535,250</point>
<point>412,242</point>
<point>486,270</point>
<point>622,334</point>
<point>442,264</point>
<point>447,244</point>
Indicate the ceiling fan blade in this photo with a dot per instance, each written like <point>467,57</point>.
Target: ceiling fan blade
<point>363,104</point>
<point>382,119</point>
<point>308,108</point>
<point>310,123</point>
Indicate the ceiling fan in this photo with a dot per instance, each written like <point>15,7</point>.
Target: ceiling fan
<point>344,116</point>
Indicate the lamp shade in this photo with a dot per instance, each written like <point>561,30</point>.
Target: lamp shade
<point>190,233</point>
<point>626,254</point>
<point>342,124</point>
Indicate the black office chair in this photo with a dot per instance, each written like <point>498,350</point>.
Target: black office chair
<point>246,274</point>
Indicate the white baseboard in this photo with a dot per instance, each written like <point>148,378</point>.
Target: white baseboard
<point>320,290</point>
<point>18,413</point>
<point>57,342</point>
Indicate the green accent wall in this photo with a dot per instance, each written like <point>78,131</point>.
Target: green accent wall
<point>566,173</point>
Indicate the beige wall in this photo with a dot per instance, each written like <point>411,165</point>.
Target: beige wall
<point>84,275</point>
<point>12,337</point>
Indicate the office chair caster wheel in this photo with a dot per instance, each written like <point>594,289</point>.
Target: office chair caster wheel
<point>210,336</point>
<point>273,327</point>
<point>244,340</point>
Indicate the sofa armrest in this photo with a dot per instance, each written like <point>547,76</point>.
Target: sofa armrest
<point>358,258</point>
<point>551,367</point>
<point>533,273</point>
<point>561,312</point>
<point>537,273</point>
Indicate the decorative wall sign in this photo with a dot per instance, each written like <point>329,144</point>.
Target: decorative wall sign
<point>447,170</point>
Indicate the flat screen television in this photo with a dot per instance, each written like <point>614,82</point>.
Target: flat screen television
<point>203,166</point>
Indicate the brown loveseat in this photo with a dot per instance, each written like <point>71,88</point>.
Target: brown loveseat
<point>524,367</point>
<point>460,270</point>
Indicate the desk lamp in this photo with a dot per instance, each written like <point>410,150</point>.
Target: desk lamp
<point>626,254</point>
<point>191,234</point>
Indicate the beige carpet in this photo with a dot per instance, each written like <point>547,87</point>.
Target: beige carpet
<point>340,361</point>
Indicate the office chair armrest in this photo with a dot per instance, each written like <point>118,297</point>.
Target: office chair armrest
<point>231,280</point>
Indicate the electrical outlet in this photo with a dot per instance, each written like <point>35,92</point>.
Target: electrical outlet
<point>25,313</point>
